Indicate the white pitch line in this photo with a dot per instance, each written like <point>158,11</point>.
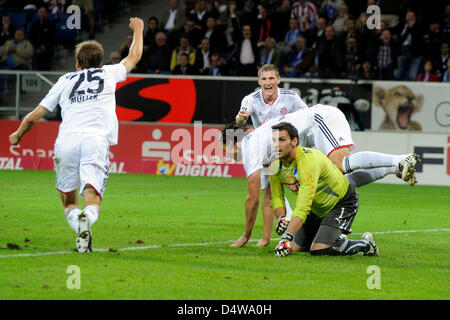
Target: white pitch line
<point>178,245</point>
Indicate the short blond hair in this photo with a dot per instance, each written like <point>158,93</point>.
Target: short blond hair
<point>89,54</point>
<point>268,67</point>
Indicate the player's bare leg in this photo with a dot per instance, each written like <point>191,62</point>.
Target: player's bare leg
<point>337,155</point>
<point>69,200</point>
<point>251,208</point>
<point>268,216</point>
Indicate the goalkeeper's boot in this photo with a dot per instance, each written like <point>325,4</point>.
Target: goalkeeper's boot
<point>367,237</point>
<point>84,238</point>
<point>405,170</point>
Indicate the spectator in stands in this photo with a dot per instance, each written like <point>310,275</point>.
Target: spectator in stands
<point>232,34</point>
<point>43,36</point>
<point>183,67</point>
<point>281,20</point>
<point>410,40</point>
<point>442,59</point>
<point>366,71</point>
<point>8,29</point>
<point>300,59</point>
<point>349,31</point>
<point>428,74</point>
<point>386,56</point>
<point>202,56</point>
<point>200,15</point>
<point>153,29</point>
<point>446,75</point>
<point>55,6</point>
<point>352,57</point>
<point>360,24</point>
<point>125,47</point>
<point>217,66</point>
<point>246,53</point>
<point>291,34</point>
<point>269,53</point>
<point>183,47</point>
<point>329,8</point>
<point>158,58</point>
<point>114,57</point>
<point>315,35</point>
<point>339,19</point>
<point>446,24</point>
<point>432,40</point>
<point>306,13</point>
<point>230,13</point>
<point>16,53</point>
<point>88,7</point>
<point>329,55</point>
<point>188,30</point>
<point>263,26</point>
<point>189,6</point>
<point>172,20</point>
<point>215,33</point>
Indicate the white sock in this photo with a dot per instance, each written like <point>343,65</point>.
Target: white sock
<point>288,208</point>
<point>369,160</point>
<point>72,218</point>
<point>362,177</point>
<point>92,214</point>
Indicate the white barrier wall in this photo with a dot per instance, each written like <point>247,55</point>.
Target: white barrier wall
<point>434,150</point>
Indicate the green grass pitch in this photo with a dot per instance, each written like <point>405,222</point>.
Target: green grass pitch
<point>191,222</point>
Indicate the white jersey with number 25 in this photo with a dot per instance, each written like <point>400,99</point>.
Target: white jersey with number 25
<point>87,100</point>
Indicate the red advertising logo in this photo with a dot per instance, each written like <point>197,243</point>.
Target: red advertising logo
<point>155,100</point>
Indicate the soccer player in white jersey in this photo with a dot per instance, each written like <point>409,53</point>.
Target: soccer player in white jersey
<point>323,127</point>
<point>89,126</point>
<point>269,101</point>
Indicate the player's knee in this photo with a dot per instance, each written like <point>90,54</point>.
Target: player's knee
<point>253,199</point>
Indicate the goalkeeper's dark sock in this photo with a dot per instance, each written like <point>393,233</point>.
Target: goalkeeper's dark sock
<point>325,252</point>
<point>348,247</point>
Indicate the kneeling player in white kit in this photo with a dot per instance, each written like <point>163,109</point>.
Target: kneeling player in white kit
<point>323,127</point>
<point>89,126</point>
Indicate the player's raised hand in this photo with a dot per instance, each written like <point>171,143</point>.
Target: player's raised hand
<point>14,138</point>
<point>136,24</point>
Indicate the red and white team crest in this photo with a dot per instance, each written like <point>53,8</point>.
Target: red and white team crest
<point>283,110</point>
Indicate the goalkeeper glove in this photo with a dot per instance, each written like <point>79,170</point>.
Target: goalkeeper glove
<point>282,224</point>
<point>283,248</point>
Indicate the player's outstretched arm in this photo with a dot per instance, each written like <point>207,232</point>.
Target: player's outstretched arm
<point>27,123</point>
<point>137,46</point>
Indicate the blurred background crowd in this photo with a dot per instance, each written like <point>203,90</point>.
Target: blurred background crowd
<point>304,38</point>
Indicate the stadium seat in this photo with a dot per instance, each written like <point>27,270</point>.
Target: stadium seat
<point>65,36</point>
<point>19,19</point>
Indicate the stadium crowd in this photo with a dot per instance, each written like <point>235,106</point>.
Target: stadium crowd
<point>31,30</point>
<point>304,38</point>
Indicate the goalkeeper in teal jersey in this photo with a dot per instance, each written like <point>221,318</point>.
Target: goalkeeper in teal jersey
<point>326,203</point>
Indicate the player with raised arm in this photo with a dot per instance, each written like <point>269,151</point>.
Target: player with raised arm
<point>326,203</point>
<point>325,128</point>
<point>89,126</point>
<point>263,105</point>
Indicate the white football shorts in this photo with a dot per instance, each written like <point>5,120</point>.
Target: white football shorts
<point>331,130</point>
<point>81,159</point>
